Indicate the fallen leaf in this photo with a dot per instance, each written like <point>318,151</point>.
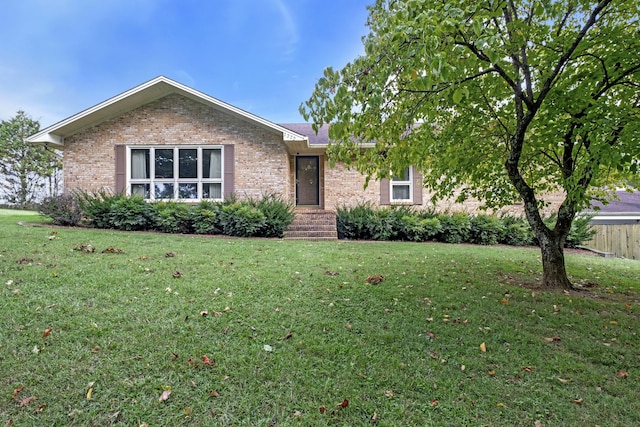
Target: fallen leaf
<point>214,394</point>
<point>564,381</point>
<point>207,361</point>
<point>537,423</point>
<point>552,339</point>
<point>483,348</point>
<point>169,255</point>
<point>578,401</point>
<point>434,402</point>
<point>164,396</point>
<point>17,391</point>
<point>527,368</point>
<point>505,301</point>
<point>322,409</point>
<point>344,404</point>
<point>47,332</point>
<point>174,356</point>
<point>492,373</point>
<point>374,280</point>
<point>289,335</point>
<point>388,393</point>
<point>176,275</point>
<point>204,313</point>
<point>297,414</point>
<point>28,400</point>
<point>331,273</point>
<point>500,405</point>
<point>267,347</point>
<point>89,393</point>
<point>622,374</point>
<point>187,411</point>
<point>374,418</point>
<point>112,250</point>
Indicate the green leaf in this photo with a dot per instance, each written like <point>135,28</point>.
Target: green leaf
<point>457,95</point>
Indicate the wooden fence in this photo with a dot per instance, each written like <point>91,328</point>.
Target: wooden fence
<point>623,240</point>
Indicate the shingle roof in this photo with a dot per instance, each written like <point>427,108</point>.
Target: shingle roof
<point>628,202</point>
<point>322,138</point>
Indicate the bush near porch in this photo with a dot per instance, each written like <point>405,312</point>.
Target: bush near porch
<point>365,222</point>
<point>266,217</point>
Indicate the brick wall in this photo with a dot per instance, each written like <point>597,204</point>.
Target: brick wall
<point>344,187</point>
<point>261,166</point>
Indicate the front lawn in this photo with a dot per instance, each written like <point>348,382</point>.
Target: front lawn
<point>99,327</point>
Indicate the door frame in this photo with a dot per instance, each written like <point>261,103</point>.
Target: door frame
<point>319,177</point>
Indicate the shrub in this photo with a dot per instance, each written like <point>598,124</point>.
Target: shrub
<point>131,214</point>
<point>383,226</point>
<point>456,228</point>
<point>63,210</point>
<point>354,223</point>
<point>172,217</point>
<point>240,219</point>
<point>517,231</point>
<point>581,232</point>
<point>96,207</point>
<point>486,229</point>
<point>205,218</point>
<point>278,215</point>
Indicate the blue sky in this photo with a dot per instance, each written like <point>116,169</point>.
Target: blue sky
<point>59,57</point>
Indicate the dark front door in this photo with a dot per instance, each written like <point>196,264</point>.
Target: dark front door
<point>307,181</point>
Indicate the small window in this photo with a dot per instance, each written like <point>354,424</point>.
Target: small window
<point>176,173</point>
<point>401,186</point>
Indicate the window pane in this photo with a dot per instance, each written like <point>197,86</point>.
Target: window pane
<point>188,163</point>
<point>139,163</point>
<point>163,191</point>
<point>212,191</point>
<point>212,163</point>
<point>401,192</point>
<point>188,191</point>
<point>164,163</point>
<point>141,190</point>
<point>403,177</point>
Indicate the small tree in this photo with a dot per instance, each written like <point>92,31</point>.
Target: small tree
<point>501,100</point>
<point>24,167</point>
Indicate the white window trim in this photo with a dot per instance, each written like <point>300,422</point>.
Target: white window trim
<point>393,183</point>
<point>176,180</point>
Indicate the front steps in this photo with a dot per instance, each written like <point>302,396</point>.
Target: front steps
<point>312,225</point>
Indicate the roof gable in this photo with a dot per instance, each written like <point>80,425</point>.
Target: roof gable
<point>143,94</point>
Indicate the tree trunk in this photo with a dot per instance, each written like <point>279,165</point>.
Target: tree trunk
<point>554,273</point>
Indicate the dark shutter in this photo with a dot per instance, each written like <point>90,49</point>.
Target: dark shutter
<point>229,170</point>
<point>121,168</point>
<point>384,192</point>
<point>417,187</point>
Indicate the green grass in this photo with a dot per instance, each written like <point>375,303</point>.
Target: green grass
<point>406,350</point>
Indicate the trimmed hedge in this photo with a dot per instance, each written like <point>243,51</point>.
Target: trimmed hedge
<point>365,222</point>
<point>266,217</point>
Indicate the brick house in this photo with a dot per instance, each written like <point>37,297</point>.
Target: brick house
<point>163,140</point>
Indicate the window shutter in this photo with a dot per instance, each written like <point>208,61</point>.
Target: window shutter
<point>384,192</point>
<point>121,168</point>
<point>229,170</point>
<point>417,187</point>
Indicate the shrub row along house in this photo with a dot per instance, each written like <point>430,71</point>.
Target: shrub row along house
<point>163,140</point>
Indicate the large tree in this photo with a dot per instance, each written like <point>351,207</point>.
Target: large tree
<point>25,168</point>
<point>500,100</point>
